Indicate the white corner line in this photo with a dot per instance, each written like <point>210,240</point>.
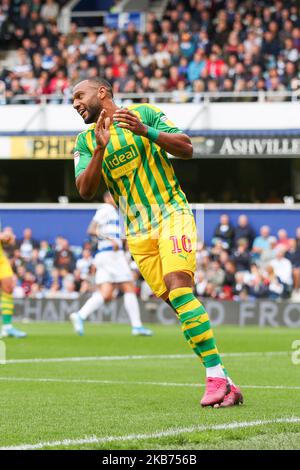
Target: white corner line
<point>157,435</point>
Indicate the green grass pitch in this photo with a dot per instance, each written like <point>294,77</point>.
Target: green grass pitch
<point>150,401</point>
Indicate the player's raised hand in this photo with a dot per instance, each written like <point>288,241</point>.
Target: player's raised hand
<point>128,120</point>
<point>7,238</point>
<point>102,133</point>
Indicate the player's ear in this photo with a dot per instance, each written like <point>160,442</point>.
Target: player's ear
<point>102,93</point>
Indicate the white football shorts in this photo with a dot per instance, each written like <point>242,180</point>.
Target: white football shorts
<point>112,266</point>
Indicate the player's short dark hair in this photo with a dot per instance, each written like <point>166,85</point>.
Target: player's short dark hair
<point>102,82</point>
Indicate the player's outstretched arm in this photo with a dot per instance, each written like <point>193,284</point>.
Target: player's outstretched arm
<point>88,182</point>
<point>179,145</point>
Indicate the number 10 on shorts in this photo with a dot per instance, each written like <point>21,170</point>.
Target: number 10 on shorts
<point>181,244</point>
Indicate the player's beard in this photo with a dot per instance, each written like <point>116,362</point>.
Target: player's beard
<point>93,114</point>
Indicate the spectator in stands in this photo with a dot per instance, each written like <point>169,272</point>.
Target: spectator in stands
<point>241,255</point>
<point>225,231</point>
<point>198,90</point>
<point>187,45</point>
<point>14,90</point>
<point>180,95</point>
<point>73,33</point>
<point>174,78</point>
<point>283,270</point>
<point>244,230</point>
<point>215,273</point>
<point>261,243</point>
<point>145,59</point>
<point>36,291</point>
<point>275,286</point>
<point>42,278</point>
<point>35,6</point>
<point>29,84</point>
<point>59,83</point>
<point>68,288</point>
<point>32,261</point>
<point>196,66</point>
<point>90,47</point>
<point>214,66</point>
<point>84,264</point>
<point>210,291</point>
<point>21,21</point>
<point>27,283</point>
<point>283,240</point>
<point>289,73</point>
<point>49,11</point>
<point>55,279</point>
<point>200,283</point>
<point>268,253</point>
<point>217,249</point>
<point>45,251</point>
<point>158,81</point>
<point>27,244</point>
<point>230,270</point>
<point>257,287</point>
<point>161,56</point>
<point>223,258</point>
<point>63,256</point>
<point>240,289</point>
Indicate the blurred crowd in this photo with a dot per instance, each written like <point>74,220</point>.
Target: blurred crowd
<point>243,265</point>
<point>199,45</point>
<point>238,264</point>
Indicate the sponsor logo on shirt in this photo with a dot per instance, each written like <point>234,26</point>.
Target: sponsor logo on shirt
<point>122,161</point>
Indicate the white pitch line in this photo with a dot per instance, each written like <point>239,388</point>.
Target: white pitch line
<point>156,435</point>
<point>134,357</point>
<point>126,382</point>
<point>97,358</point>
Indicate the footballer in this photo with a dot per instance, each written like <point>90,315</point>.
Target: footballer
<point>128,147</point>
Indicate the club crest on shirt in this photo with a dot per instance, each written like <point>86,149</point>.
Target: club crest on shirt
<point>167,121</point>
